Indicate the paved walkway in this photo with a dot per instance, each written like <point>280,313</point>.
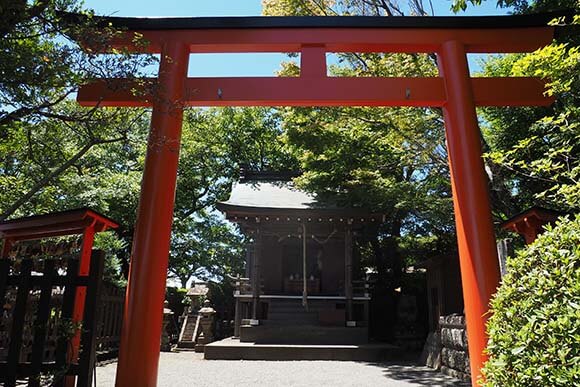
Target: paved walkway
<point>189,369</point>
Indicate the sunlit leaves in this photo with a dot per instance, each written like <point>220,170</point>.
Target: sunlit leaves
<point>540,148</point>
<point>534,330</point>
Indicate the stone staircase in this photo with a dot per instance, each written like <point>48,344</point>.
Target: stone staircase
<point>291,313</point>
<point>189,332</point>
<point>233,349</point>
<point>289,322</point>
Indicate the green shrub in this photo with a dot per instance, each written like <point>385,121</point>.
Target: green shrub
<point>534,329</point>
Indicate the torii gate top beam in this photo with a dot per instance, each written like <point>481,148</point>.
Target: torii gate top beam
<point>481,34</point>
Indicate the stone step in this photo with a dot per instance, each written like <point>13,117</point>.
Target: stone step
<point>296,312</point>
<point>271,333</point>
<point>185,344</point>
<point>296,305</point>
<point>290,322</point>
<point>293,316</point>
<point>233,349</point>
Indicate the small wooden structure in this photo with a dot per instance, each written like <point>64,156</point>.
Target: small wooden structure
<point>530,223</point>
<point>444,295</point>
<point>300,266</point>
<point>81,282</point>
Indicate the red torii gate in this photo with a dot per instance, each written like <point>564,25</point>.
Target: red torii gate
<point>451,38</point>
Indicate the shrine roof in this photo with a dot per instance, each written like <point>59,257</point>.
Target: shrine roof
<point>259,197</point>
<point>545,215</point>
<point>55,224</point>
<point>270,194</point>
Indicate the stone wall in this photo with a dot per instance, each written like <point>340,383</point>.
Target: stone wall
<point>454,355</point>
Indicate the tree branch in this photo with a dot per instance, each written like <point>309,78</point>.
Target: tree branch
<point>53,174</point>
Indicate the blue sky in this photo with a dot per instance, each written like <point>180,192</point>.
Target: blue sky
<point>231,7</point>
<point>212,65</point>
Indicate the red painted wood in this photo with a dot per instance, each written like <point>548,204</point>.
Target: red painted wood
<point>475,234</point>
<point>54,224</point>
<point>313,61</point>
<point>80,297</point>
<point>531,222</point>
<point>500,40</point>
<point>141,333</point>
<point>322,91</point>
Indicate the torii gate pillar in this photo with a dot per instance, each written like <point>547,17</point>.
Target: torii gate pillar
<point>475,235</point>
<point>142,320</point>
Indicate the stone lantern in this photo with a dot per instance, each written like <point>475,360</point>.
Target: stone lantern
<point>206,322</point>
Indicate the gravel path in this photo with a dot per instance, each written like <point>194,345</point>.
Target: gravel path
<point>189,369</point>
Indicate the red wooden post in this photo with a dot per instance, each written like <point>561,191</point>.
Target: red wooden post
<point>475,234</point>
<point>80,296</point>
<point>141,333</point>
<point>313,61</point>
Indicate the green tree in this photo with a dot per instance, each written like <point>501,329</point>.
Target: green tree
<point>346,7</point>
<point>205,248</point>
<point>216,144</point>
<point>533,330</point>
<point>393,160</point>
<point>55,155</point>
<point>534,151</point>
<point>520,6</point>
<point>41,67</point>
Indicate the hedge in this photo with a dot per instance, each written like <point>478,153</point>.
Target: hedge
<point>534,328</point>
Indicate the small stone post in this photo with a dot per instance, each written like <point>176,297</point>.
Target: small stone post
<point>207,314</point>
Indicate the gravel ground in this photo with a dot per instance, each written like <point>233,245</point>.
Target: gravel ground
<point>189,369</point>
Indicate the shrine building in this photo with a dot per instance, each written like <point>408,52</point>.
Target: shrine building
<point>303,283</point>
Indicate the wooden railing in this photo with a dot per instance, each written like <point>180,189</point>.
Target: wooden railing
<point>37,298</point>
<point>361,288</point>
<point>110,320</point>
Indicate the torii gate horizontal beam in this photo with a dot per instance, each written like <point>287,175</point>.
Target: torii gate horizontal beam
<point>317,91</point>
<point>480,34</point>
<point>501,40</point>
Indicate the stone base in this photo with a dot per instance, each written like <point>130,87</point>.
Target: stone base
<point>455,373</point>
<point>431,355</point>
<point>232,349</point>
<point>454,352</point>
<point>303,334</point>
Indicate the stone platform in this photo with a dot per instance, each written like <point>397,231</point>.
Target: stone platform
<point>271,333</point>
<point>233,349</point>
